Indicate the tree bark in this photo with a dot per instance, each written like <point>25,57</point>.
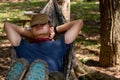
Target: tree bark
<point>65,6</point>
<point>110,34</point>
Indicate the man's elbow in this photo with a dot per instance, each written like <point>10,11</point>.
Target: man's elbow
<point>80,24</point>
<point>16,43</point>
<point>6,25</point>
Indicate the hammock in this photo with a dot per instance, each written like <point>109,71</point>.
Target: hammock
<point>54,11</point>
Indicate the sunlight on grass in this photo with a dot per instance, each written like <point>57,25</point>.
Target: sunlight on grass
<point>91,44</point>
<point>83,60</point>
<point>9,10</point>
<point>1,30</point>
<point>85,10</point>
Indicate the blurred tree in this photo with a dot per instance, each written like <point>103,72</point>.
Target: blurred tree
<point>90,0</point>
<point>110,34</point>
<point>65,6</point>
<point>78,0</point>
<point>13,0</point>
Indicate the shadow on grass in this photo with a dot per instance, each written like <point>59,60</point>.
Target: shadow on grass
<point>21,6</point>
<point>5,61</point>
<point>97,76</point>
<point>5,55</point>
<point>85,42</point>
<point>92,62</point>
<point>85,10</point>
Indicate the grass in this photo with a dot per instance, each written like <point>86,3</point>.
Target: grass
<point>88,11</point>
<point>85,10</point>
<point>15,11</point>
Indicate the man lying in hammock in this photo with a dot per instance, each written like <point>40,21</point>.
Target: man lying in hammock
<point>43,47</point>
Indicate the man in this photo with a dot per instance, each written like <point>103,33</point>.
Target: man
<point>42,46</point>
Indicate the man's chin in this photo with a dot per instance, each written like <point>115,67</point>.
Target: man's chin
<point>41,36</point>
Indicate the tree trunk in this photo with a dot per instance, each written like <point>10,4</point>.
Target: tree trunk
<point>65,6</point>
<point>110,34</point>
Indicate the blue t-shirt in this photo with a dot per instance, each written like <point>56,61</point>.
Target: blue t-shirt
<point>53,52</point>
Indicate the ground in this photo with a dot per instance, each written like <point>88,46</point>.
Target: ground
<point>88,56</point>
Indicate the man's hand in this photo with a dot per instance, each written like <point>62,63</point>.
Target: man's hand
<point>71,30</point>
<point>52,33</point>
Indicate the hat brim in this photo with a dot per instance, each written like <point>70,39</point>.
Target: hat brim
<point>38,22</point>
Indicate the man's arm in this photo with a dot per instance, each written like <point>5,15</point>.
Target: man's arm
<point>14,33</point>
<point>72,30</point>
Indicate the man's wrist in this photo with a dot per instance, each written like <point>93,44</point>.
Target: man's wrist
<point>55,30</point>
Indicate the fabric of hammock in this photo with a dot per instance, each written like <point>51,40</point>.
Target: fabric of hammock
<point>54,11</point>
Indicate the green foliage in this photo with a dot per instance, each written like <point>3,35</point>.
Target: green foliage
<point>1,30</point>
<point>90,0</point>
<point>83,60</point>
<point>89,12</point>
<point>84,78</point>
<point>91,29</point>
<point>9,10</point>
<point>85,10</point>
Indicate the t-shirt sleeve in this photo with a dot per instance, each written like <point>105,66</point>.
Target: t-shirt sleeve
<point>21,48</point>
<point>22,42</point>
<point>66,47</point>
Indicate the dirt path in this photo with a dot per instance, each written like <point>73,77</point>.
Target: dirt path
<point>5,50</point>
<point>91,58</point>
